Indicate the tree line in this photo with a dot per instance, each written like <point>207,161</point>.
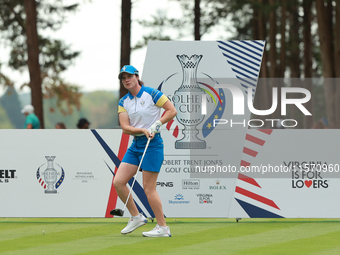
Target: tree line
<point>302,41</point>
<point>99,107</point>
<point>45,58</point>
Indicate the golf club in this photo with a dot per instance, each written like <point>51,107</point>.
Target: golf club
<point>120,212</point>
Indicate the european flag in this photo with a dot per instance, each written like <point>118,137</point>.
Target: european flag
<point>60,181</point>
<point>217,114</point>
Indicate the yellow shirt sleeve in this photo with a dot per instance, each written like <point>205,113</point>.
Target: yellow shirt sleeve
<point>121,109</point>
<point>161,101</point>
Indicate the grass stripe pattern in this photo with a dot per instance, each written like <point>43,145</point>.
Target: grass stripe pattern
<point>189,236</point>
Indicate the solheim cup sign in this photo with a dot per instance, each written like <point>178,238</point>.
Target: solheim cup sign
<point>187,100</point>
<point>193,80</point>
<point>48,179</point>
<point>220,134</point>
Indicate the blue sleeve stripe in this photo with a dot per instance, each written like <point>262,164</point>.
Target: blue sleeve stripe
<point>157,96</point>
<point>154,93</point>
<point>121,101</point>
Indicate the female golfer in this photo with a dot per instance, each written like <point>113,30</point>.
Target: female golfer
<point>140,115</point>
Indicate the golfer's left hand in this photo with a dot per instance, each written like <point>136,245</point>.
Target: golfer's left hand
<point>156,127</point>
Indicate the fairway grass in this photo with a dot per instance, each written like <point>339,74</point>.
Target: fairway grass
<point>189,236</point>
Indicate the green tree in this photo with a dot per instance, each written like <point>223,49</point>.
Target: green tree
<point>21,26</point>
<point>328,18</point>
<point>54,114</point>
<point>4,80</point>
<point>32,42</point>
<point>125,41</point>
<point>11,104</point>
<point>5,123</point>
<point>303,41</point>
<point>101,109</point>
<point>197,19</point>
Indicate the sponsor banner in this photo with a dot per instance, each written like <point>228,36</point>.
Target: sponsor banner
<point>300,189</point>
<point>59,173</point>
<point>55,173</point>
<point>209,170</point>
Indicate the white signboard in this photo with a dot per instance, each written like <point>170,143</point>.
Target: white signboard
<point>211,168</point>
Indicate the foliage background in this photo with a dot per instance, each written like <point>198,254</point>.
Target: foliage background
<point>99,107</point>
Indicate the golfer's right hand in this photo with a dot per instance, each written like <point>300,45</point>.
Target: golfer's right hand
<point>147,133</point>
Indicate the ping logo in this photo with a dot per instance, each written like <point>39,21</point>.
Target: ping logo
<point>165,184</point>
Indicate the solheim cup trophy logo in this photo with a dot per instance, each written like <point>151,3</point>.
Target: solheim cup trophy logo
<point>50,182</point>
<point>50,175</point>
<point>187,101</point>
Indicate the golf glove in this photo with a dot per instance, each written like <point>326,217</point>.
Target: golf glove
<point>156,127</point>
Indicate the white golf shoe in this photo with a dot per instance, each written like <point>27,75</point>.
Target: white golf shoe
<point>134,223</point>
<point>158,231</point>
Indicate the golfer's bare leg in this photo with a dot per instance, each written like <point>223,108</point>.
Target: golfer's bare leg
<point>149,184</point>
<point>124,174</point>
